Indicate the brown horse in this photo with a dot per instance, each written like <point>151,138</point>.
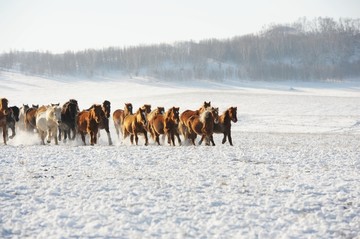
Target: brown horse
<point>88,123</point>
<point>119,116</point>
<point>203,125</point>
<point>4,111</point>
<point>151,115</point>
<point>30,118</point>
<point>224,125</point>
<point>187,114</point>
<point>104,122</point>
<point>166,124</point>
<point>134,124</point>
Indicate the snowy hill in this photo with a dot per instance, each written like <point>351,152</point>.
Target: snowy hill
<point>293,171</point>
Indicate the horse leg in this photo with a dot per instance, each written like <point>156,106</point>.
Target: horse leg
<point>42,136</point>
<point>157,138</point>
<point>55,136</point>
<point>212,140</point>
<point>132,139</point>
<point>202,139</point>
<point>146,138</point>
<point>172,138</point>
<point>83,137</point>
<point>4,133</point>
<point>60,134</point>
<point>224,139</point>
<point>230,139</point>
<point>74,133</point>
<point>117,131</point>
<point>136,138</point>
<point>178,137</point>
<point>109,136</point>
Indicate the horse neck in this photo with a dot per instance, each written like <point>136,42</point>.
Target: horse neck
<point>225,118</point>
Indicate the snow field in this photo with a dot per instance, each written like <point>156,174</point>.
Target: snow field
<point>293,171</point>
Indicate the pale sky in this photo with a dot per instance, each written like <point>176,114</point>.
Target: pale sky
<point>60,25</point>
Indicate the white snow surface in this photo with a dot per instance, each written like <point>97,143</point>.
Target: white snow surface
<point>293,171</point>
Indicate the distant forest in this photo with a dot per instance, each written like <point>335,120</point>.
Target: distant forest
<point>318,49</point>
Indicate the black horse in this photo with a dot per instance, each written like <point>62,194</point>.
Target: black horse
<point>11,119</point>
<point>69,113</point>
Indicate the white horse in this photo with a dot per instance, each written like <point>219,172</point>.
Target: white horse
<point>47,123</point>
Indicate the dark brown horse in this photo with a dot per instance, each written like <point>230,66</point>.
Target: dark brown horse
<point>187,114</point>
<point>30,118</point>
<point>203,125</point>
<point>88,123</point>
<point>11,120</point>
<point>4,111</point>
<point>104,122</point>
<point>224,125</point>
<point>69,112</point>
<point>134,124</point>
<point>166,124</point>
<point>119,116</point>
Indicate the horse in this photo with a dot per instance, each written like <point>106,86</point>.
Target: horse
<point>4,111</point>
<point>30,118</point>
<point>166,124</point>
<point>104,122</point>
<point>187,114</point>
<point>69,112</point>
<point>88,122</point>
<point>134,124</point>
<point>152,114</point>
<point>11,119</point>
<point>224,125</point>
<point>47,123</point>
<point>21,123</point>
<point>203,125</point>
<point>119,116</point>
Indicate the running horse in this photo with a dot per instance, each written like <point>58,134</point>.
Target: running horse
<point>30,118</point>
<point>166,124</point>
<point>224,125</point>
<point>11,120</point>
<point>88,122</point>
<point>119,116</point>
<point>47,123</point>
<point>203,125</point>
<point>184,117</point>
<point>134,124</point>
<point>4,111</point>
<point>69,112</point>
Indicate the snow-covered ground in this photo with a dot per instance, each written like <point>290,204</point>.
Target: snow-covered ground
<point>293,171</point>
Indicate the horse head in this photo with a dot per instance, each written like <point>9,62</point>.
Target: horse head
<point>215,114</point>
<point>160,110</point>
<point>233,114</point>
<point>71,109</point>
<point>96,112</point>
<point>173,114</point>
<point>53,113</point>
<point>107,108</point>
<point>4,106</point>
<point>16,112</point>
<point>147,108</point>
<point>141,116</point>
<point>128,109</point>
<point>35,106</point>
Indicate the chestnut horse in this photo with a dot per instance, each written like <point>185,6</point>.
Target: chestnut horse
<point>134,124</point>
<point>30,118</point>
<point>119,116</point>
<point>88,123</point>
<point>203,125</point>
<point>166,124</point>
<point>187,114</point>
<point>224,125</point>
<point>69,112</point>
<point>151,115</point>
<point>4,111</point>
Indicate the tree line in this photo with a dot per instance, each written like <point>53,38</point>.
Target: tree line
<point>317,49</point>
